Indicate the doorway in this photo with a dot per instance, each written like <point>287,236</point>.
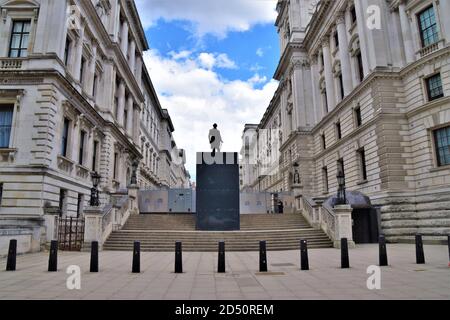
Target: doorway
<point>365,225</point>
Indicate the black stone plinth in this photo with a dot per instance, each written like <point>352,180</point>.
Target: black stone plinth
<point>218,192</point>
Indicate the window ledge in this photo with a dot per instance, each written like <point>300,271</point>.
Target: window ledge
<point>441,168</point>
<point>362,182</point>
<point>7,154</point>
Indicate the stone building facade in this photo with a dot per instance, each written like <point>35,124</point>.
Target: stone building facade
<point>75,97</point>
<point>365,90</point>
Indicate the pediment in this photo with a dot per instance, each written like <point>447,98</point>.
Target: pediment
<point>19,4</point>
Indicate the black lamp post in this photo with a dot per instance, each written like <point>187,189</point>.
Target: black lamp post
<point>341,198</point>
<point>95,201</point>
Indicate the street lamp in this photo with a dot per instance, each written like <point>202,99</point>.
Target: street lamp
<point>341,197</point>
<point>95,201</point>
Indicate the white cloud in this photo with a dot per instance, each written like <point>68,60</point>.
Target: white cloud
<point>180,55</point>
<point>257,79</point>
<point>260,52</point>
<point>197,97</point>
<point>224,62</point>
<point>211,60</point>
<point>215,17</point>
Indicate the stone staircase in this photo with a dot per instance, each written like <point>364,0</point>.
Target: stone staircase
<point>159,232</point>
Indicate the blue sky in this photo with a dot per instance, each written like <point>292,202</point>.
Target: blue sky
<point>254,51</point>
<point>211,62</point>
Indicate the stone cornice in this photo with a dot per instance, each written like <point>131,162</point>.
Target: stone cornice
<point>286,57</point>
<point>139,30</point>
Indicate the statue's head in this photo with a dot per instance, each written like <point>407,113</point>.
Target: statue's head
<point>215,125</point>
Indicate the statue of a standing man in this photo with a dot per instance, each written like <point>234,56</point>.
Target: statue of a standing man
<point>215,139</point>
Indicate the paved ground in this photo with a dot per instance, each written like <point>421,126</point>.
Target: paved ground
<point>402,280</point>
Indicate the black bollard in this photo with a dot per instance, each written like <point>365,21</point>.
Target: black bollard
<point>94,257</point>
<point>12,254</point>
<point>221,264</point>
<point>178,257</point>
<point>53,258</point>
<point>345,263</point>
<point>136,257</point>
<point>420,256</point>
<point>304,261</point>
<point>383,252</point>
<point>262,256</point>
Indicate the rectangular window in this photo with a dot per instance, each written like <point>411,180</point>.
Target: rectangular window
<point>325,101</point>
<point>362,161</point>
<point>65,137</point>
<point>353,14</point>
<point>338,131</point>
<point>62,202</point>
<point>359,61</point>
<point>82,147</point>
<point>80,202</point>
<point>336,40</point>
<point>94,88</point>
<point>116,156</point>
<point>67,51</point>
<point>325,179</point>
<point>341,86</point>
<point>6,116</point>
<point>340,167</point>
<point>434,87</point>
<point>358,118</point>
<point>116,107</point>
<point>94,156</point>
<point>324,141</point>
<point>428,27</point>
<point>83,64</point>
<point>442,142</point>
<point>20,35</point>
<point>1,193</point>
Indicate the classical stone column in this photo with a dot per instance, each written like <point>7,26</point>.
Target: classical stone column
<point>284,116</point>
<point>317,105</point>
<point>443,8</point>
<point>78,55</point>
<point>136,125</point>
<point>328,69</point>
<point>124,37</point>
<point>344,54</point>
<point>130,115</point>
<point>362,30</point>
<point>92,68</point>
<point>132,56</point>
<point>302,94</point>
<point>138,74</point>
<point>406,32</point>
<point>121,103</point>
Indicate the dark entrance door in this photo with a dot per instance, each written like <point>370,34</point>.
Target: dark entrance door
<point>365,225</point>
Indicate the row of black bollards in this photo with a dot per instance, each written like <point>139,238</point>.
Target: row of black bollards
<point>136,266</point>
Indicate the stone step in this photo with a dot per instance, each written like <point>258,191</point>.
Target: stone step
<point>159,232</point>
